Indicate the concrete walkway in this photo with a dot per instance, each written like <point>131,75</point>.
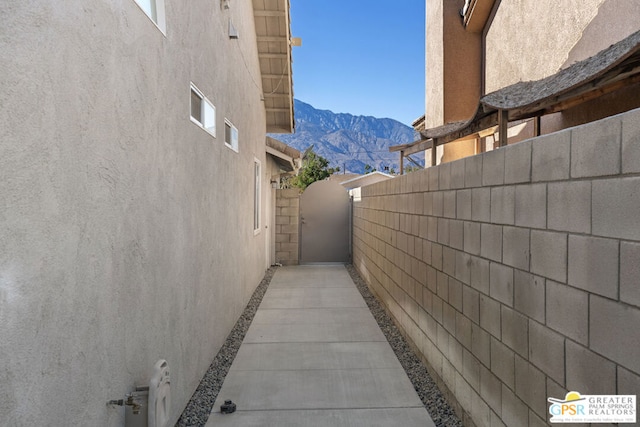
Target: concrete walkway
<point>315,356</point>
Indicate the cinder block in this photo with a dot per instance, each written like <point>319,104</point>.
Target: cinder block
<point>480,274</point>
<point>282,202</point>
<point>443,286</point>
<point>613,200</point>
<point>290,228</point>
<point>515,331</point>
<point>493,168</point>
<point>549,255</point>
<point>517,163</point>
<point>449,318</point>
<point>282,220</point>
<point>503,205</point>
<point>472,238</point>
<point>595,148</point>
<point>463,330</point>
<point>449,261</point>
<point>536,421</point>
<point>432,228</point>
<point>593,265</point>
<point>290,211</point>
<point>471,369</point>
<point>551,156</point>
<point>463,204</point>
<point>473,171</point>
<point>445,176</point>
<point>531,386</point>
<point>546,351</point>
<point>456,234</point>
<point>443,231</point>
<point>471,303</point>
<point>631,142</point>
<point>531,205</point>
<point>449,204</point>
<point>490,316</point>
<point>529,295</point>
<point>455,294</point>
<point>432,275</point>
<point>481,204</point>
<point>491,389</point>
<point>569,206</point>
<point>491,242</point>
<point>438,203</point>
<point>589,372</point>
<point>630,273</point>
<point>501,283</point>
<point>556,390</point>
<point>514,411</point>
<point>436,305</point>
<point>436,256</point>
<point>628,382</point>
<point>481,344</point>
<point>427,206</point>
<point>457,173</point>
<point>423,227</point>
<point>463,391</point>
<point>463,267</point>
<point>515,247</point>
<point>433,178</point>
<point>503,362</point>
<point>614,331</point>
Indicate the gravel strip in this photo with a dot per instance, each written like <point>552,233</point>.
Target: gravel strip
<point>201,404</point>
<point>441,413</point>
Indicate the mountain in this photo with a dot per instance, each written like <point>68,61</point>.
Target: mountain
<point>347,141</point>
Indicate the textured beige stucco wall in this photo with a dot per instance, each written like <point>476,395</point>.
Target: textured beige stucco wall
<point>531,39</point>
<point>434,64</point>
<point>126,231</point>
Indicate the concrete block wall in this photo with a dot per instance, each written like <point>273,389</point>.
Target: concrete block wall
<point>515,273</point>
<point>287,226</point>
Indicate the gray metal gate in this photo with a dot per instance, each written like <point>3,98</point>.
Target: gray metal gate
<point>325,223</point>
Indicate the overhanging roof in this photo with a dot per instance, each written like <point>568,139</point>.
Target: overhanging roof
<point>611,69</point>
<point>273,34</point>
<point>287,158</point>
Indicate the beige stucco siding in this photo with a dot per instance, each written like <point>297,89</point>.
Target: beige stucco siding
<point>532,39</point>
<point>434,101</point>
<point>126,230</point>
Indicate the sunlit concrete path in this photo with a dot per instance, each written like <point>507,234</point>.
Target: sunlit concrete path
<point>315,356</point>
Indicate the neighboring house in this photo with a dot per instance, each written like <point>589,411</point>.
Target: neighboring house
<point>135,193</point>
<point>353,185</point>
<point>479,47</point>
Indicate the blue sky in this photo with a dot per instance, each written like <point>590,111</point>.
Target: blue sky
<point>360,57</point>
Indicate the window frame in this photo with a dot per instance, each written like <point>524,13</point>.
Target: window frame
<point>234,143</point>
<point>204,117</point>
<point>156,13</point>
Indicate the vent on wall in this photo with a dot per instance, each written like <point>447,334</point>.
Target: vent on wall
<point>233,32</point>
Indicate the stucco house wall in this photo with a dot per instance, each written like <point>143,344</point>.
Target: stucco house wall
<point>522,40</point>
<point>514,273</point>
<point>126,230</point>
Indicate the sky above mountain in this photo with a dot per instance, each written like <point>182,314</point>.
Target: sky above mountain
<point>363,58</point>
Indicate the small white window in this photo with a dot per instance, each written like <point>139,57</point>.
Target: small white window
<point>256,195</point>
<point>230,135</point>
<point>155,11</point>
<point>203,113</point>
